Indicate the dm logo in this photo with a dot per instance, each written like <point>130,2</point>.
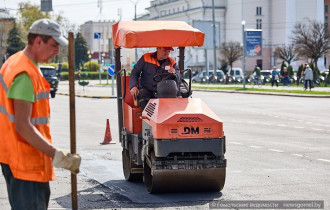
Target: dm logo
<point>190,130</point>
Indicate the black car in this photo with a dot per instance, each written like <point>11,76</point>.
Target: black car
<point>49,73</point>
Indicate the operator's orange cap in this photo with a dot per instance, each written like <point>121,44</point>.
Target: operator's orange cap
<point>169,48</point>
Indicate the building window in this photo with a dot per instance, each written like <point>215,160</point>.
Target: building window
<point>326,8</point>
<point>259,24</point>
<point>326,20</point>
<point>259,11</point>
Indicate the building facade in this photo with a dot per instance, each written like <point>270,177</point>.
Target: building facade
<point>98,36</point>
<point>276,19</point>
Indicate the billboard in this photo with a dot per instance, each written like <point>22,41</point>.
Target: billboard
<point>207,28</point>
<point>253,42</point>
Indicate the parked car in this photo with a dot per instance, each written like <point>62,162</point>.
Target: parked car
<point>235,75</point>
<point>203,78</point>
<point>49,73</point>
<point>266,76</point>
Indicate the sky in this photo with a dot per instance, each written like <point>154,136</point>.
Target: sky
<point>80,11</point>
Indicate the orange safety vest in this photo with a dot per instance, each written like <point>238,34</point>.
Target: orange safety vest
<point>25,162</point>
<point>150,58</point>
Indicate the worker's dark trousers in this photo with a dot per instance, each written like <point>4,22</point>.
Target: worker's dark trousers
<point>144,96</point>
<point>25,194</point>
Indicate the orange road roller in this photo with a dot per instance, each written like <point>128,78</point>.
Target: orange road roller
<point>176,143</point>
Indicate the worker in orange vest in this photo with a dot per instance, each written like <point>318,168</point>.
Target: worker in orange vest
<point>27,155</point>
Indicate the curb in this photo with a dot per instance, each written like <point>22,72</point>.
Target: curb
<point>265,93</point>
<point>86,96</point>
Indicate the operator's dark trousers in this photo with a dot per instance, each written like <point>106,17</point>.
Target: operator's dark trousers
<point>25,194</point>
<point>144,96</point>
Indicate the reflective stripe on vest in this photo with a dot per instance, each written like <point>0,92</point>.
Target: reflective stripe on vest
<point>41,95</point>
<point>3,84</point>
<point>34,120</point>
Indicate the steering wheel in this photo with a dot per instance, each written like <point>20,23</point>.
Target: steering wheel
<point>165,76</point>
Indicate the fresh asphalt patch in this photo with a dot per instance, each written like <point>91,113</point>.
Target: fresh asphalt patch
<point>109,173</point>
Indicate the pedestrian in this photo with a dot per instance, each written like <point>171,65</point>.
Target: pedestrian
<point>26,150</point>
<point>257,74</point>
<point>286,80</point>
<point>275,76</point>
<point>303,73</point>
<point>308,78</point>
<point>148,66</point>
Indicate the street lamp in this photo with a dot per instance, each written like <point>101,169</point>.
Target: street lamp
<point>243,36</point>
<point>90,53</point>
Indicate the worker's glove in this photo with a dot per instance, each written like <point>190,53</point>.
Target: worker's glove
<point>67,161</point>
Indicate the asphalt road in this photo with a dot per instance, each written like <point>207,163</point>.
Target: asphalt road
<point>278,148</point>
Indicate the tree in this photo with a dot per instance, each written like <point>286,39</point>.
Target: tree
<point>14,41</point>
<point>80,47</point>
<point>311,39</point>
<point>285,53</point>
<point>92,66</point>
<point>290,71</point>
<point>231,52</point>
<point>29,13</point>
<point>282,66</point>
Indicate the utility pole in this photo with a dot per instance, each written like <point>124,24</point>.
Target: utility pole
<point>244,47</point>
<point>214,41</point>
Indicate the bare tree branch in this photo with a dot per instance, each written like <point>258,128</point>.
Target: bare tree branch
<point>311,40</point>
<point>286,53</point>
<point>231,52</point>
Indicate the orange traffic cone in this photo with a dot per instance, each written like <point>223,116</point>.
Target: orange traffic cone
<point>107,136</point>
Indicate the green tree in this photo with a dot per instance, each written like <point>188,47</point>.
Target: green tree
<point>80,46</point>
<point>290,71</point>
<point>300,68</point>
<point>282,66</point>
<point>14,41</point>
<point>92,66</point>
<point>29,13</point>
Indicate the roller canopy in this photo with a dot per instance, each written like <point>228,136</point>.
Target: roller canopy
<point>137,34</point>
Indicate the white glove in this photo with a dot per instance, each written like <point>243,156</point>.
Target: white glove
<point>67,161</point>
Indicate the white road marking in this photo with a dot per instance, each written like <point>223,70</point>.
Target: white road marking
<point>281,125</point>
<point>237,121</point>
<point>292,119</point>
<point>299,120</point>
<point>324,160</point>
<point>286,169</point>
<point>234,171</point>
<point>317,129</point>
<point>299,127</point>
<point>309,122</point>
<point>252,122</point>
<point>275,150</point>
<point>297,155</point>
<point>256,147</point>
<point>235,143</point>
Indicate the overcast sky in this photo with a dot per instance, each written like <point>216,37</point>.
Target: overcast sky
<point>80,11</point>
